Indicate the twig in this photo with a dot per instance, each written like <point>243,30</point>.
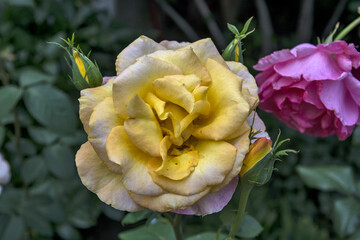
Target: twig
<point>305,22</point>
<point>335,17</point>
<point>179,20</point>
<point>211,24</point>
<point>266,27</point>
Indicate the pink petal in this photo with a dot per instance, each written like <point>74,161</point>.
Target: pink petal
<point>276,57</point>
<point>106,79</point>
<point>317,66</point>
<point>335,96</point>
<point>213,202</point>
<point>353,86</point>
<point>311,95</point>
<point>303,50</point>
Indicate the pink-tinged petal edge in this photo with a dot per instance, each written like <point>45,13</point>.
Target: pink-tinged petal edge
<point>276,57</point>
<point>213,202</point>
<point>106,79</point>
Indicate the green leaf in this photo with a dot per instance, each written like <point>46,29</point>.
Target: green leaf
<point>60,160</point>
<point>68,232</point>
<point>20,3</point>
<point>346,216</point>
<point>134,217</point>
<point>233,29</point>
<point>31,76</point>
<point>2,134</point>
<point>34,168</point>
<point>206,236</point>
<point>113,213</point>
<point>160,230</point>
<point>41,135</point>
<point>328,178</point>
<point>249,228</point>
<point>75,139</point>
<point>27,147</point>
<point>355,236</point>
<point>356,137</point>
<point>14,229</point>
<point>51,107</point>
<point>36,222</point>
<point>10,95</point>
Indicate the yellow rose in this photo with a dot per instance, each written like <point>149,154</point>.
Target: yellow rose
<point>170,130</point>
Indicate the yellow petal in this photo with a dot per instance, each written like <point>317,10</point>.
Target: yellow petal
<point>137,80</point>
<point>205,49</point>
<point>102,120</point>
<point>91,97</point>
<point>186,60</point>
<point>242,147</point>
<point>229,108</point>
<point>79,63</point>
<point>138,48</point>
<point>248,80</point>
<point>216,160</point>
<point>168,201</point>
<point>179,167</point>
<point>136,178</point>
<point>99,179</point>
<point>142,127</point>
<point>156,103</point>
<point>171,90</point>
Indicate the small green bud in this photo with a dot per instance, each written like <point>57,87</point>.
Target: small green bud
<point>85,73</point>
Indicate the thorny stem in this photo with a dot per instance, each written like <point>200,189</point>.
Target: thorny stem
<point>245,192</point>
<point>350,27</point>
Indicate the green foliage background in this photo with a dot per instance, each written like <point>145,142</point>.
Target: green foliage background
<point>313,195</point>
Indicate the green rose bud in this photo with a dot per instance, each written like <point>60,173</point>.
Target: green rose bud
<point>85,73</point>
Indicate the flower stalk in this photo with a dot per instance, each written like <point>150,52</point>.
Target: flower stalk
<point>348,29</point>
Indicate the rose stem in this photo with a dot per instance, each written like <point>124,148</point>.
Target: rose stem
<point>177,227</point>
<point>350,27</point>
<point>245,192</point>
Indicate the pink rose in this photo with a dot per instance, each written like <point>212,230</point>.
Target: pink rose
<point>314,89</point>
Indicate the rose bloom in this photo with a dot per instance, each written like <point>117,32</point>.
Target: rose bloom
<point>170,131</point>
<point>314,89</point>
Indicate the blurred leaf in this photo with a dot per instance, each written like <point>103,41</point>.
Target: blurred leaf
<point>328,178</point>
<point>249,228</point>
<point>51,107</point>
<point>159,230</point>
<point>33,168</point>
<point>4,220</point>
<point>206,236</point>
<point>2,134</point>
<point>68,232</point>
<point>355,236</point>
<point>134,217</point>
<point>41,135</point>
<point>36,221</point>
<point>31,76</point>
<point>312,231</point>
<point>27,147</point>
<point>20,3</point>
<point>54,212</point>
<point>113,213</point>
<point>10,95</point>
<point>10,200</point>
<point>14,229</point>
<point>60,160</point>
<point>346,216</point>
<point>75,139</point>
<point>24,118</point>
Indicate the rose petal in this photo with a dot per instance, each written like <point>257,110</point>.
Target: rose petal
<point>317,66</point>
<point>138,48</point>
<point>99,179</point>
<point>137,80</point>
<point>248,80</point>
<point>353,86</point>
<point>122,151</point>
<point>142,127</point>
<point>216,160</point>
<point>91,97</point>
<point>335,96</point>
<point>212,202</point>
<point>276,57</point>
<point>230,109</point>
